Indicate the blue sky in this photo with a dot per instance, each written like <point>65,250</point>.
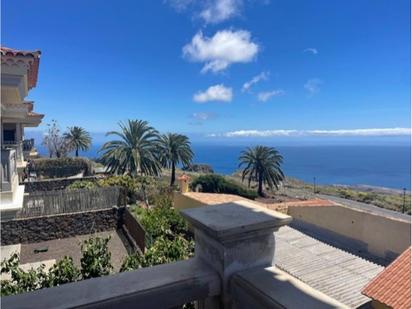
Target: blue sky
<point>221,69</point>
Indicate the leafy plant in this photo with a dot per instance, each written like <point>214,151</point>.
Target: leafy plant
<point>64,271</point>
<point>81,184</point>
<point>21,281</point>
<point>95,261</point>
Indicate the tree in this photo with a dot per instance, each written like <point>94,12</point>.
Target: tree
<point>56,143</point>
<point>134,152</point>
<point>174,149</point>
<point>262,164</point>
<point>78,139</point>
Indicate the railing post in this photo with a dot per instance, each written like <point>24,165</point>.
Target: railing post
<point>233,237</point>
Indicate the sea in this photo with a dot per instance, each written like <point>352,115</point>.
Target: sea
<point>380,166</point>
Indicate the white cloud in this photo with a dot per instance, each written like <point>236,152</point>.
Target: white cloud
<point>264,96</point>
<point>363,132</point>
<point>214,93</point>
<point>313,85</point>
<point>220,51</point>
<point>203,116</point>
<point>255,80</point>
<point>216,11</point>
<point>257,133</point>
<point>340,132</point>
<point>313,51</point>
<point>180,5</point>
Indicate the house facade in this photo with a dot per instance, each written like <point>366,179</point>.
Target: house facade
<point>19,71</point>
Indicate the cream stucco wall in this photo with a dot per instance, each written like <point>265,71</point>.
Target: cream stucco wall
<point>181,201</point>
<point>381,235</point>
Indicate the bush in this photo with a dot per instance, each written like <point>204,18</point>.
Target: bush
<point>199,168</point>
<point>219,184</point>
<point>64,271</point>
<point>95,261</point>
<point>136,188</point>
<point>61,167</point>
<point>82,184</point>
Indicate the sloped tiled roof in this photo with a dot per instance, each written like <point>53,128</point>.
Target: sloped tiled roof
<point>34,65</point>
<point>392,286</point>
<point>334,272</point>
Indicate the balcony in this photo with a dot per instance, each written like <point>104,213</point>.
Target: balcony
<point>233,267</point>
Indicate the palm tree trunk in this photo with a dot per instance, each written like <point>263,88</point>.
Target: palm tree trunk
<point>77,151</point>
<point>172,179</point>
<point>260,188</point>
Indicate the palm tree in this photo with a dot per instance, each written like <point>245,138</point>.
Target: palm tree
<point>263,165</point>
<point>78,138</point>
<point>135,151</point>
<point>174,149</point>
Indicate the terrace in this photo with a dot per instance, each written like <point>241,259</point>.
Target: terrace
<point>234,256</point>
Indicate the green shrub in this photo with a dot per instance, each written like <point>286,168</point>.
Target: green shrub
<point>136,188</point>
<point>61,167</point>
<point>163,250</point>
<point>218,184</point>
<point>64,271</point>
<point>21,281</point>
<point>132,262</point>
<point>82,184</point>
<point>95,261</point>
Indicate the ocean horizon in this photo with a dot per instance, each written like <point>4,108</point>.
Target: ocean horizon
<point>380,166</point>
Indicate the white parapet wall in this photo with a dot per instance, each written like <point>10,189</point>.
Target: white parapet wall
<point>382,236</point>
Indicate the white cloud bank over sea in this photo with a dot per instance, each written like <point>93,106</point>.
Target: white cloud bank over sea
<point>337,133</point>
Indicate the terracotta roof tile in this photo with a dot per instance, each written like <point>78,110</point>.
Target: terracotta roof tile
<point>392,286</point>
<point>34,66</point>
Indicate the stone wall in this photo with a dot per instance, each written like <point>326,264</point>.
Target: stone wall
<point>45,228</point>
<point>53,184</point>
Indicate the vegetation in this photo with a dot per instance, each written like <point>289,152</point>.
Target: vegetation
<point>82,184</point>
<point>213,183</point>
<point>95,262</point>
<point>55,142</point>
<point>198,168</point>
<point>61,167</point>
<point>78,139</point>
<point>170,241</point>
<point>174,149</point>
<point>169,236</point>
<point>262,164</point>
<point>135,152</point>
<point>59,145</point>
